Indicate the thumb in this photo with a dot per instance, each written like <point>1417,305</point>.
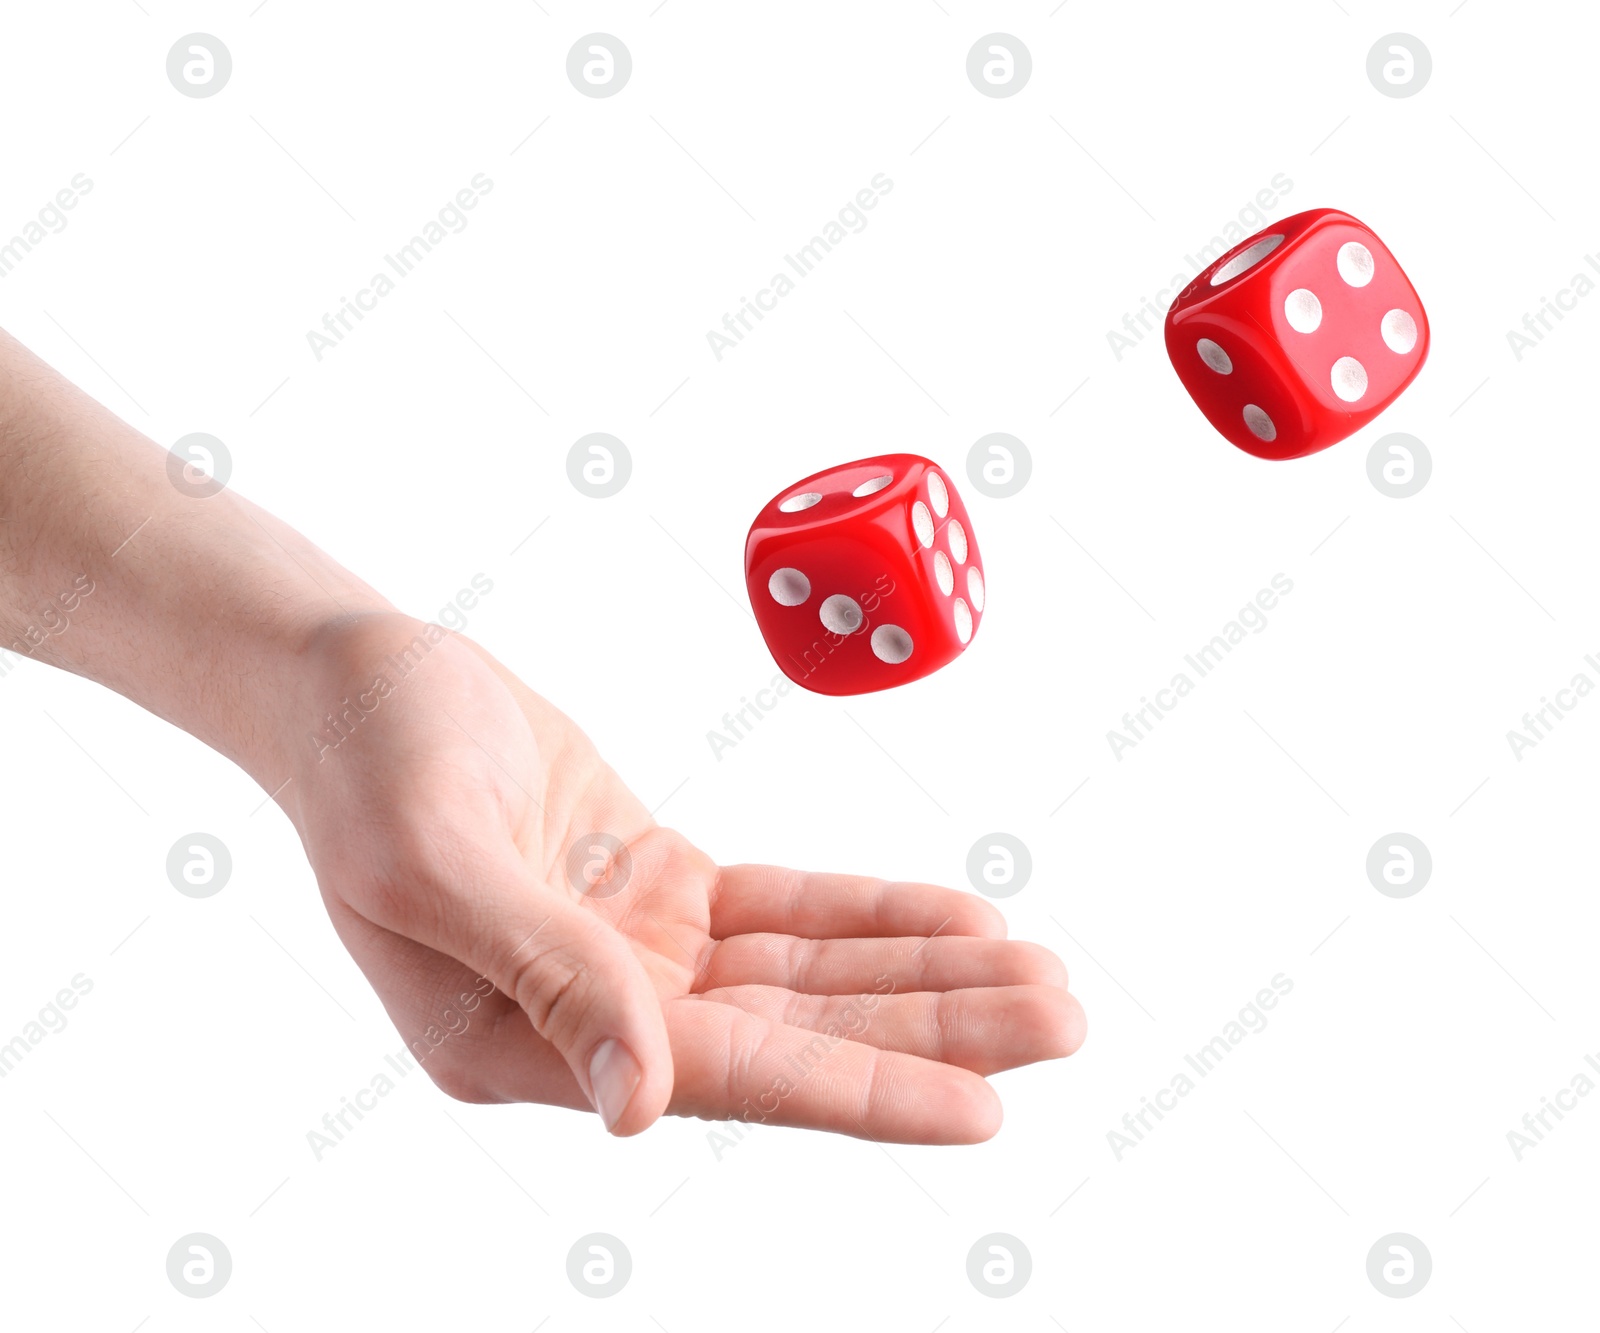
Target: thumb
<point>584,991</point>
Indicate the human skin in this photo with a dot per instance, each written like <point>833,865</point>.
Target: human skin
<point>439,832</point>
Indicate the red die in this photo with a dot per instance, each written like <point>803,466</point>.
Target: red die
<point>865,576</point>
<point>1298,336</point>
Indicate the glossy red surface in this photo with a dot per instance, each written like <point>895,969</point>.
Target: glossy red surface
<point>865,549</point>
<point>1286,372</point>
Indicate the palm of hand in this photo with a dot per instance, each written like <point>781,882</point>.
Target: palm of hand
<point>441,831</point>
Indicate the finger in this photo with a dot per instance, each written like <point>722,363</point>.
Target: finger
<point>473,1041</point>
<point>750,899</point>
<point>732,1065</point>
<point>984,1030</point>
<point>851,967</point>
<point>580,984</point>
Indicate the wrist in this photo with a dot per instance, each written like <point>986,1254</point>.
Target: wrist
<point>284,685</point>
<point>193,603</point>
<point>320,696</point>
<point>227,653</point>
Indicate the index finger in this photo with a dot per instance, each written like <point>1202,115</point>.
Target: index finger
<point>770,899</point>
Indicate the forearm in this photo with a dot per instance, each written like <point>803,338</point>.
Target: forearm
<point>194,608</point>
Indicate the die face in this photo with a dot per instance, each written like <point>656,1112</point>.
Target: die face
<point>1289,345</point>
<point>1240,381</point>
<point>860,588</point>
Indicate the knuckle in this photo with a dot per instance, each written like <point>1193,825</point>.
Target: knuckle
<point>942,1026</point>
<point>873,1093</point>
<point>741,1057</point>
<point>556,992</point>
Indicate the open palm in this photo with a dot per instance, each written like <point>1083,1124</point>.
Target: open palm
<point>464,833</point>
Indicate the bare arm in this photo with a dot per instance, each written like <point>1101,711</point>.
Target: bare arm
<point>191,607</point>
<point>534,935</point>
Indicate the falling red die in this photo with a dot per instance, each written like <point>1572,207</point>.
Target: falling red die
<point>1299,335</point>
<point>865,575</point>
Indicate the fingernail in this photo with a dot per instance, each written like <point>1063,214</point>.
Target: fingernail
<point>613,1076</point>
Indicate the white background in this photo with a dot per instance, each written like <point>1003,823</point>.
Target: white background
<point>1207,860</point>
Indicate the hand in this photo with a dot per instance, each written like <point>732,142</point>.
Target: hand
<point>440,824</point>
<point>440,808</point>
